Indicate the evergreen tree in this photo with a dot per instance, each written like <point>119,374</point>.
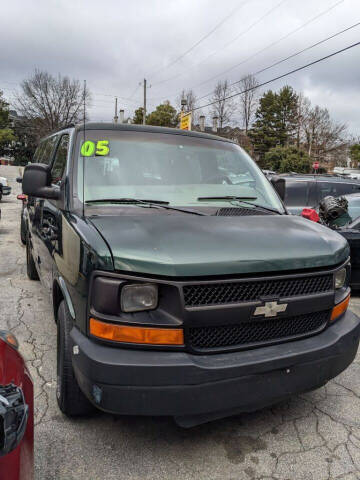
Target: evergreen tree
<point>287,115</point>
<point>276,121</point>
<point>164,116</point>
<point>138,116</point>
<point>263,132</point>
<point>6,133</point>
<point>287,159</point>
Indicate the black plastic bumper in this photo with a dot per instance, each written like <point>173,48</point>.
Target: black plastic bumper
<point>138,382</point>
<point>6,190</point>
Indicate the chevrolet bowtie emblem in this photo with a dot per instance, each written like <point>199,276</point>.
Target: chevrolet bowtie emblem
<point>271,309</point>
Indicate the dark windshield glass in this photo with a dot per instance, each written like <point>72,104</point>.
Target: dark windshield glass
<point>174,168</point>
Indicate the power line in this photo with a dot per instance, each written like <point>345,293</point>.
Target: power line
<point>293,55</point>
<point>217,26</point>
<point>273,43</point>
<point>282,76</point>
<point>308,22</point>
<point>244,32</point>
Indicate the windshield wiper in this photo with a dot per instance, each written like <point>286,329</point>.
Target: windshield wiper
<point>144,202</point>
<point>242,200</point>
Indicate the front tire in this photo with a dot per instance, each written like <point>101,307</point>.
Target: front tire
<point>72,402</point>
<point>30,264</point>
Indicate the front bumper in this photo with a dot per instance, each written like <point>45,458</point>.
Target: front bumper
<point>6,190</point>
<point>139,382</point>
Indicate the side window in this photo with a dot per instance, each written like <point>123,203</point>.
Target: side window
<point>46,156</point>
<point>336,189</point>
<point>296,193</point>
<point>59,164</point>
<point>44,151</point>
<point>38,152</point>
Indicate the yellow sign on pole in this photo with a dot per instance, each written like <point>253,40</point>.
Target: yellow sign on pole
<point>185,121</point>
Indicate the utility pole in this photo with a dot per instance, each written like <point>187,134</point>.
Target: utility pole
<point>116,115</point>
<point>144,115</point>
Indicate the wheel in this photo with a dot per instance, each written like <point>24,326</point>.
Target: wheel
<point>70,398</point>
<point>30,264</point>
<point>22,230</point>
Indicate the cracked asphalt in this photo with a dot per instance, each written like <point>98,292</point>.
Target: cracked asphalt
<point>315,436</point>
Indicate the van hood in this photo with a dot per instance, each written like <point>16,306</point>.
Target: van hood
<point>189,245</point>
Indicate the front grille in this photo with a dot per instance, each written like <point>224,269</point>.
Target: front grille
<point>257,332</point>
<point>235,292</point>
<point>241,211</point>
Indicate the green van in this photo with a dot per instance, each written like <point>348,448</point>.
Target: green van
<point>180,285</point>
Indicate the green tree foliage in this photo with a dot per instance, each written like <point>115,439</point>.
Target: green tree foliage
<point>354,152</point>
<point>6,133</point>
<point>164,115</point>
<point>26,141</point>
<point>276,121</point>
<point>287,159</point>
<point>138,116</point>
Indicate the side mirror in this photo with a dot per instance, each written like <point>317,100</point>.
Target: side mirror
<point>279,184</point>
<point>19,179</point>
<point>36,182</point>
<point>13,417</point>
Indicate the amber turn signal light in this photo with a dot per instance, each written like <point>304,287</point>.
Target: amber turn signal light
<point>339,309</point>
<point>142,335</point>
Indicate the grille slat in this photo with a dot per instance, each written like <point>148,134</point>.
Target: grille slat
<point>256,332</point>
<point>236,292</point>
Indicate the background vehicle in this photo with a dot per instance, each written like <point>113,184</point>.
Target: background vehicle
<point>16,413</point>
<point>176,275</point>
<point>4,187</point>
<point>308,190</point>
<point>347,223</point>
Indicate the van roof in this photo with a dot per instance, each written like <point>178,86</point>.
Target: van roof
<point>146,128</point>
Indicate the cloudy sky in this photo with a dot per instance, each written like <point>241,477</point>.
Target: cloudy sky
<point>177,44</point>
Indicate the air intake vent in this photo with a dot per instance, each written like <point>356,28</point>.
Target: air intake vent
<point>249,291</point>
<point>253,333</point>
<point>240,211</point>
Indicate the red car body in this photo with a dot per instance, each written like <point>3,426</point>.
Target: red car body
<point>18,464</point>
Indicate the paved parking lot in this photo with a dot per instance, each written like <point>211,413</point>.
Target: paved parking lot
<point>315,436</point>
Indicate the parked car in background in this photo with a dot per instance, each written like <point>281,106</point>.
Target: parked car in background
<point>343,215</point>
<point>268,173</point>
<point>5,189</point>
<point>16,413</point>
<point>302,191</point>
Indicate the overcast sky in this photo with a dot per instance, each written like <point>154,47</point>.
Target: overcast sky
<point>114,44</point>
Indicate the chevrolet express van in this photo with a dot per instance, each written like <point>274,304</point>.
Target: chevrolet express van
<point>179,283</point>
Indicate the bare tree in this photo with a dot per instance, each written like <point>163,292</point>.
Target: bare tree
<point>191,101</point>
<point>322,136</point>
<point>51,102</point>
<point>190,98</point>
<point>223,108</point>
<point>248,100</point>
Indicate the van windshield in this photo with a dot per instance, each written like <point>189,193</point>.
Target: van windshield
<point>172,168</point>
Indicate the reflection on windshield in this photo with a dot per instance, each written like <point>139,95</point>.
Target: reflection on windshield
<point>173,168</point>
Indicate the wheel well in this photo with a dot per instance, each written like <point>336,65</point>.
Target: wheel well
<point>57,298</point>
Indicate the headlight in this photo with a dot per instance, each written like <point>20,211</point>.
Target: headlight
<point>135,298</point>
<point>340,277</point>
